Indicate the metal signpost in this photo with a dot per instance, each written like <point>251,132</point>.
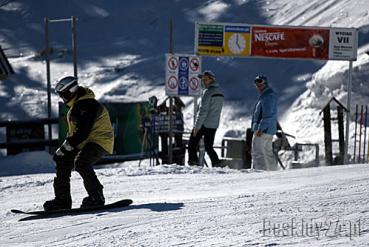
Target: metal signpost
<point>181,79</point>
<point>47,53</point>
<point>291,42</point>
<point>171,50</point>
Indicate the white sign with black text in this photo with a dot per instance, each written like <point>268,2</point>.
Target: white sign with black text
<point>343,44</point>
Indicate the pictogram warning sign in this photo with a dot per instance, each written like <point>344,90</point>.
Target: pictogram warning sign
<point>195,64</point>
<point>195,83</point>
<point>173,63</point>
<point>182,73</point>
<point>172,82</point>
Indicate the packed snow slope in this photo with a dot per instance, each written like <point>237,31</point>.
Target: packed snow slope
<point>121,47</point>
<point>182,206</point>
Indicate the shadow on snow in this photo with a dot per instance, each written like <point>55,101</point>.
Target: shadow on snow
<point>156,207</point>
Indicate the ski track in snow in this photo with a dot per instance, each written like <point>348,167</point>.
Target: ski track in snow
<point>194,209</point>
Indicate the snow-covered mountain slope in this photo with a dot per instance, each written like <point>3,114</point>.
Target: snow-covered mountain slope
<point>121,46</point>
<point>181,206</point>
<point>344,13</point>
<point>121,49</point>
<point>329,81</point>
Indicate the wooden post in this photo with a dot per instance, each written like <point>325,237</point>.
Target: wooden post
<point>296,152</point>
<point>360,134</point>
<point>356,112</point>
<point>317,163</point>
<point>341,134</point>
<point>349,89</point>
<point>327,134</point>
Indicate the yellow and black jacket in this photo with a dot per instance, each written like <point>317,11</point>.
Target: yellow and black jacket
<point>89,121</point>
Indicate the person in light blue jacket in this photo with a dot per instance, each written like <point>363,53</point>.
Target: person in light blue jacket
<point>264,126</point>
<point>207,120</point>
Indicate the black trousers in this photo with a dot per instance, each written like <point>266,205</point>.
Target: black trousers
<point>209,135</point>
<point>82,161</point>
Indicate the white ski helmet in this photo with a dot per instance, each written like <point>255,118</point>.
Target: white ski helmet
<point>66,87</point>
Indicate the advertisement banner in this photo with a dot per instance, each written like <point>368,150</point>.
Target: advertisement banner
<point>237,40</point>
<point>223,39</point>
<point>181,77</point>
<point>290,42</point>
<point>227,39</point>
<point>210,39</point>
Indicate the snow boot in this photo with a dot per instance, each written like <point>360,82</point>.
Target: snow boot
<point>193,163</point>
<point>94,200</point>
<point>58,204</point>
<point>63,199</point>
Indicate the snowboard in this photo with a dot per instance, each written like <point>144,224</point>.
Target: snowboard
<point>117,204</point>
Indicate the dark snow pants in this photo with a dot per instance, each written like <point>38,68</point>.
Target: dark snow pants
<point>82,161</point>
<point>209,135</point>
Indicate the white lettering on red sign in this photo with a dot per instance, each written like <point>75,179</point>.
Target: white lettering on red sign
<point>268,37</point>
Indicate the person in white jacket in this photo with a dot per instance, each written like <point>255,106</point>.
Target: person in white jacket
<point>207,119</point>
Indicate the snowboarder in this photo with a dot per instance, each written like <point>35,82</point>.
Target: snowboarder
<point>90,136</point>
<point>207,119</point>
<point>264,126</point>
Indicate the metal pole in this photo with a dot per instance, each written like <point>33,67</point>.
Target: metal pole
<point>349,86</point>
<point>360,133</point>
<point>356,114</point>
<point>367,157</point>
<point>152,146</point>
<point>74,45</point>
<point>47,53</point>
<point>195,99</point>
<point>170,147</point>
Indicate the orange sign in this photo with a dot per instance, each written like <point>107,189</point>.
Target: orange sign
<point>287,42</point>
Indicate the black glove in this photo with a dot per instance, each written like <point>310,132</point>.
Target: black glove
<point>62,151</point>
